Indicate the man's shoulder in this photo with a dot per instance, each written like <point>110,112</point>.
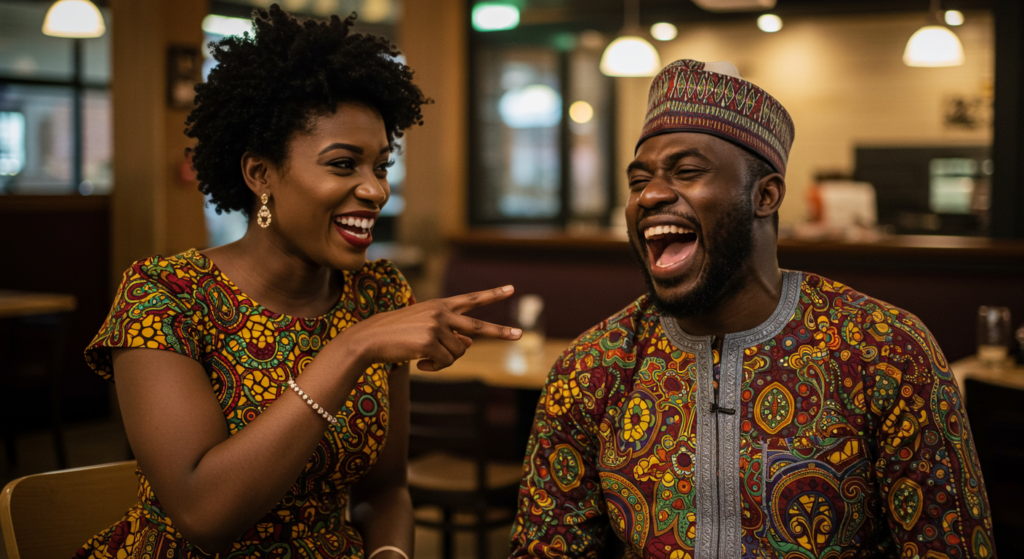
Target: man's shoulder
<point>882,318</point>
<point>843,297</point>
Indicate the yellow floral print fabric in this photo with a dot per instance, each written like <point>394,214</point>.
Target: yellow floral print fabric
<point>184,304</point>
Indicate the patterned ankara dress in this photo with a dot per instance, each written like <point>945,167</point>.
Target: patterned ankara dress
<point>835,429</point>
<point>184,304</point>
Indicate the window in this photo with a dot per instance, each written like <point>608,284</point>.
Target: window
<point>55,129</point>
<point>541,135</point>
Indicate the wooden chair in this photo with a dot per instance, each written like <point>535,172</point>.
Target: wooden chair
<point>52,514</point>
<point>996,415</point>
<point>450,468</point>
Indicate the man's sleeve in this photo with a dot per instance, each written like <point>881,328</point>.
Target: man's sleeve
<point>929,478</point>
<point>561,509</point>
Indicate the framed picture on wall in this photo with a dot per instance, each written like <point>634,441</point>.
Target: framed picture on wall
<point>184,71</point>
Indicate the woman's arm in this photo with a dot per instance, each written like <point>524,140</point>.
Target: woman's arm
<point>214,486</point>
<point>381,507</point>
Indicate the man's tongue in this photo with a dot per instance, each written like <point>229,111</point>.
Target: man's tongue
<point>675,252</point>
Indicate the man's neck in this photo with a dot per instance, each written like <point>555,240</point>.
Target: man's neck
<point>748,304</point>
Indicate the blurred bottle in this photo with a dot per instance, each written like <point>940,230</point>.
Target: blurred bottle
<point>529,316</point>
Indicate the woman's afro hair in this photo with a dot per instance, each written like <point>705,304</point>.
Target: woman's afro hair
<point>268,84</point>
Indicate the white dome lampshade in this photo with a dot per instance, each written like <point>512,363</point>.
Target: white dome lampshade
<point>630,56</point>
<point>933,46</point>
<point>74,19</point>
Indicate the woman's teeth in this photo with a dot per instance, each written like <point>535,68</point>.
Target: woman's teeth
<point>358,227</point>
<point>359,222</point>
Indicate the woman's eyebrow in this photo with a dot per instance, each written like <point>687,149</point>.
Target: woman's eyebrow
<point>350,147</point>
<point>338,145</point>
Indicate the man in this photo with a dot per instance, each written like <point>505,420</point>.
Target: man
<point>738,410</point>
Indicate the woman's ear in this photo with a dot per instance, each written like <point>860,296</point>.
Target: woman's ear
<point>768,194</point>
<point>255,171</point>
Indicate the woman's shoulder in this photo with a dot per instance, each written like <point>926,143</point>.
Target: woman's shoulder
<point>178,274</point>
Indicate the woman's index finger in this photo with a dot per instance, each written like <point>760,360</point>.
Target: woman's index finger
<point>469,301</point>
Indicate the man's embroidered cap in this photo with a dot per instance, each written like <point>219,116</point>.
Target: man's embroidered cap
<point>711,98</point>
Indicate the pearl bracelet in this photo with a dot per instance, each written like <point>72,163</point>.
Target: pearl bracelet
<point>316,407</point>
<point>388,548</point>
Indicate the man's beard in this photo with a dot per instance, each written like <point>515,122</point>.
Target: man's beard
<point>725,251</point>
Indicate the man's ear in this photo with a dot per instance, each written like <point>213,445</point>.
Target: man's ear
<point>255,171</point>
<point>768,194</point>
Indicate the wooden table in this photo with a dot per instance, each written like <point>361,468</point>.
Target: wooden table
<point>23,303</point>
<point>1010,374</point>
<point>16,309</point>
<point>502,364</point>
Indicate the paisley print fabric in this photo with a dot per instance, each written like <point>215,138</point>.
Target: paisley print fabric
<point>850,440</point>
<point>184,304</point>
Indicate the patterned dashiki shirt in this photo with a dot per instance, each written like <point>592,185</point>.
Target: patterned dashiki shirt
<point>184,304</point>
<point>836,430</point>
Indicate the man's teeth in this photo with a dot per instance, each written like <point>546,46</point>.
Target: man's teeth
<point>663,230</point>
<point>359,222</point>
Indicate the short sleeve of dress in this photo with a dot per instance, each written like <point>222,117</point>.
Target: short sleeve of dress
<point>151,310</point>
<point>389,288</point>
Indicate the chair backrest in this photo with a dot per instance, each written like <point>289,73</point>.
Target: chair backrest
<point>449,417</point>
<point>53,514</point>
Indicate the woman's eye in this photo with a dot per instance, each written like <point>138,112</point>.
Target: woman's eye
<point>346,164</point>
<point>383,167</point>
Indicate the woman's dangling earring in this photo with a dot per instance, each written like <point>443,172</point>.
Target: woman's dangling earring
<point>263,217</point>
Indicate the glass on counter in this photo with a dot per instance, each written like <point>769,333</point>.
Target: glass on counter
<point>993,335</point>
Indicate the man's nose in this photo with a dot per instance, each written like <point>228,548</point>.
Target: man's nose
<point>656,193</point>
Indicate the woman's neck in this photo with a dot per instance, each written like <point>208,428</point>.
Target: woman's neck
<point>278,276</point>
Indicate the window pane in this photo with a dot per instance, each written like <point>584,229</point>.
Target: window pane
<point>97,147</point>
<point>96,55</point>
<point>519,113</point>
<point>24,51</point>
<point>590,113</point>
<point>47,138</point>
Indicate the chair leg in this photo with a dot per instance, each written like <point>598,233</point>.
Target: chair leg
<point>447,539</point>
<point>56,361</point>
<point>482,547</point>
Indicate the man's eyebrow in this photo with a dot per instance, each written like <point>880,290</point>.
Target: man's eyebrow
<point>638,166</point>
<point>671,160</point>
<point>352,148</point>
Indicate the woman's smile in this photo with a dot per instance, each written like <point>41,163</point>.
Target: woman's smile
<point>356,228</point>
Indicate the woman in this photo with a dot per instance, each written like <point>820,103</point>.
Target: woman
<point>232,363</point>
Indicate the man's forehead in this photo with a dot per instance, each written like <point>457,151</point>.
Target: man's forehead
<point>672,145</point>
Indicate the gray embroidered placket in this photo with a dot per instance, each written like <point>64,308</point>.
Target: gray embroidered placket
<point>717,479</point>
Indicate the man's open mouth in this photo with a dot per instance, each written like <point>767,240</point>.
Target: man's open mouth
<point>668,245</point>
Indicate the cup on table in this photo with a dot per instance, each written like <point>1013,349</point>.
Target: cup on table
<point>528,315</point>
<point>993,334</point>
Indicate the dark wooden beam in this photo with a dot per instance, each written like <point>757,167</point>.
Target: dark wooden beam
<point>1007,211</point>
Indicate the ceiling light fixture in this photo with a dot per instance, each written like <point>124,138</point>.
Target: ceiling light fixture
<point>74,19</point>
<point>769,23</point>
<point>664,31</point>
<point>954,18</point>
<point>630,55</point>
<point>495,16</point>
<point>225,26</point>
<point>934,45</point>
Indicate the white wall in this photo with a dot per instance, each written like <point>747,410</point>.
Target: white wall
<point>843,81</point>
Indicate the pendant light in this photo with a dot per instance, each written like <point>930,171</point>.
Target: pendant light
<point>630,55</point>
<point>934,45</point>
<point>74,19</point>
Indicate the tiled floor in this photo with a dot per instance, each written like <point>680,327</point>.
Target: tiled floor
<point>98,443</point>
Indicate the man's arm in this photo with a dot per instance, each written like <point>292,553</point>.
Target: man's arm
<point>561,509</point>
<point>929,478</point>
